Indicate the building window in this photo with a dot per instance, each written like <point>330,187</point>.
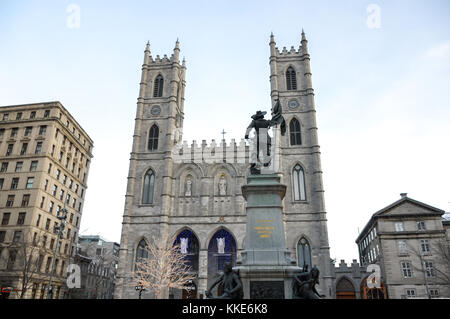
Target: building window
<point>19,166</point>
<point>58,172</point>
<point>1,182</point>
<point>421,225</point>
<point>46,113</point>
<point>28,130</point>
<point>21,219</point>
<point>299,183</point>
<point>153,138</point>
<point>434,293</point>
<point>25,200</point>
<point>10,201</point>
<point>399,226</point>
<point>38,148</point>
<point>141,251</point>
<point>295,133</point>
<point>4,167</point>
<point>149,182</point>
<point>50,207</point>
<point>9,149</point>
<point>42,129</point>
<point>23,150</point>
<point>49,168</point>
<point>2,132</point>
<point>38,220</point>
<point>14,183</point>
<point>158,87</point>
<point>17,236</point>
<point>33,166</point>
<point>32,115</point>
<point>14,131</point>
<point>30,182</point>
<point>11,259</point>
<point>5,219</point>
<point>429,269</point>
<point>55,188</point>
<point>303,253</point>
<point>2,236</point>
<point>402,248</point>
<point>5,116</point>
<point>47,226</point>
<point>424,246</point>
<point>406,269</point>
<point>291,80</point>
<point>19,115</point>
<point>410,293</point>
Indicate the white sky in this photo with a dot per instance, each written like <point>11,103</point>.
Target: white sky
<point>382,94</point>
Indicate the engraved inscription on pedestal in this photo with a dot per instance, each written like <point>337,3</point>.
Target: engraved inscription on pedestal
<point>266,290</point>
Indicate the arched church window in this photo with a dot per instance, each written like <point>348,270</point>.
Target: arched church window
<point>291,80</point>
<point>221,249</point>
<point>189,247</point>
<point>304,253</point>
<point>153,138</point>
<point>299,183</point>
<point>295,133</point>
<point>158,87</point>
<point>149,185</point>
<point>141,251</point>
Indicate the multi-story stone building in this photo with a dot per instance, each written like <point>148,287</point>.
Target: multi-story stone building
<point>407,240</point>
<point>98,259</point>
<point>192,195</point>
<point>44,163</point>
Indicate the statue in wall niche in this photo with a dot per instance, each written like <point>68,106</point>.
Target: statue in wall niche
<point>232,285</point>
<point>263,140</point>
<point>304,283</point>
<point>221,245</point>
<point>184,245</point>
<point>222,186</point>
<point>188,187</point>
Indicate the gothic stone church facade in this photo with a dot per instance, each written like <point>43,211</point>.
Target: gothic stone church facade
<point>199,204</point>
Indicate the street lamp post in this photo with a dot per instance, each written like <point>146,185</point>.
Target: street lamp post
<point>140,289</point>
<point>60,229</point>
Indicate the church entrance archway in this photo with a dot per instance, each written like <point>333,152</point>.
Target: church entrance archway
<point>221,249</point>
<point>345,289</point>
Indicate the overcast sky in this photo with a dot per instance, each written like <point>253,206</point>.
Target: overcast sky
<point>381,75</point>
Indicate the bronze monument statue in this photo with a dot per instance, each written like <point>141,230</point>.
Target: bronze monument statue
<point>232,285</point>
<point>304,284</point>
<point>263,141</point>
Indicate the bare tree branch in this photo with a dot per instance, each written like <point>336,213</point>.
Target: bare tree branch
<point>165,267</point>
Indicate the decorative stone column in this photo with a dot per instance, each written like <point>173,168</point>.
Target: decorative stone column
<point>202,272</point>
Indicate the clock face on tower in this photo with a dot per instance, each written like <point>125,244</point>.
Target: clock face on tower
<point>292,104</point>
<point>156,110</point>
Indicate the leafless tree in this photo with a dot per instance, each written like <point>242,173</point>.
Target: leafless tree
<point>22,260</point>
<point>164,268</point>
<point>440,272</point>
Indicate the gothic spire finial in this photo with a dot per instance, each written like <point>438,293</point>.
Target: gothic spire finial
<point>272,38</point>
<point>303,35</point>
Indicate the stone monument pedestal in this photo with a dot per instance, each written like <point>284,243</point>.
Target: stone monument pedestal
<point>266,271</point>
